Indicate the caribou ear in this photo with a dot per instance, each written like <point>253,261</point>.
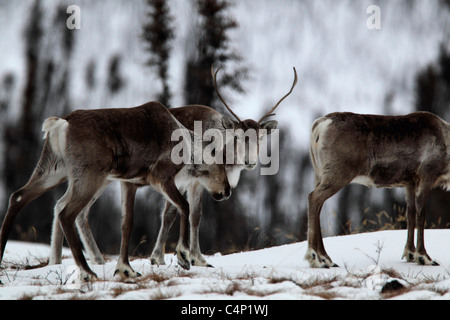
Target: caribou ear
<point>269,126</point>
<point>228,123</point>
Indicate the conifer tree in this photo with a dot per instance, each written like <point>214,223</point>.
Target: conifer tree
<point>158,34</point>
<point>212,48</point>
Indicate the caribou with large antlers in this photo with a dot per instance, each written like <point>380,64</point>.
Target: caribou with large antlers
<point>213,119</point>
<point>90,148</point>
<point>411,151</point>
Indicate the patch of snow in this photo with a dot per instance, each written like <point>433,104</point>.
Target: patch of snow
<point>367,263</point>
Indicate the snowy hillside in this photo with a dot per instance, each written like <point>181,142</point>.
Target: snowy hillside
<point>370,268</point>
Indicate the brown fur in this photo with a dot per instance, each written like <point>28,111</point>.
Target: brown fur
<point>189,251</point>
<point>89,148</point>
<point>410,151</point>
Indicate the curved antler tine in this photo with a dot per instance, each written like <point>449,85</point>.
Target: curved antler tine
<point>270,113</point>
<point>214,75</point>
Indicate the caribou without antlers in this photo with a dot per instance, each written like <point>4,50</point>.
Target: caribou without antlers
<point>411,151</point>
<point>90,148</point>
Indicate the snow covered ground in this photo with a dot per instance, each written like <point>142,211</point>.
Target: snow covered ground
<point>370,268</point>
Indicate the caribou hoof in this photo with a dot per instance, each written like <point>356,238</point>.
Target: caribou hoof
<point>318,261</point>
<point>125,274</point>
<point>125,271</point>
<point>199,261</point>
<point>425,260</point>
<point>158,261</point>
<point>409,255</point>
<point>88,276</point>
<point>183,259</point>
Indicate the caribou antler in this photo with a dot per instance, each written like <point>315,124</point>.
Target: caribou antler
<point>214,74</point>
<point>270,113</point>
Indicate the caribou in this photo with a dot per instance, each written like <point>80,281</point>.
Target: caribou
<point>188,248</point>
<point>212,119</point>
<point>410,151</point>
<point>91,148</point>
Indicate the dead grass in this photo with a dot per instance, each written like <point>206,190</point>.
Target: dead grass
<point>160,283</point>
<point>324,282</point>
<point>239,287</point>
<point>27,264</point>
<point>327,295</point>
